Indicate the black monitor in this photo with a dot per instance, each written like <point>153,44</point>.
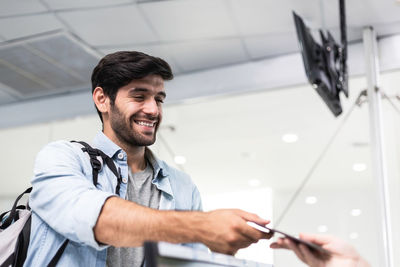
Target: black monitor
<point>324,65</point>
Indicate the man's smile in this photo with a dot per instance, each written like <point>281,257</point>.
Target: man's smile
<point>146,123</point>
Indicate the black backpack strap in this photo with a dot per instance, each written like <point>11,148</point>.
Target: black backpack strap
<point>96,164</point>
<point>58,255</point>
<point>13,213</point>
<point>9,261</point>
<point>111,165</point>
<point>21,248</point>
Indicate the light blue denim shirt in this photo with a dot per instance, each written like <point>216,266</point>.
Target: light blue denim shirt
<point>65,203</point>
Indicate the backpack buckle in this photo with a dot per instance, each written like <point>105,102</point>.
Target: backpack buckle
<point>96,164</point>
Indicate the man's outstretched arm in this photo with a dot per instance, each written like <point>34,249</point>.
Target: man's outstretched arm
<point>124,223</point>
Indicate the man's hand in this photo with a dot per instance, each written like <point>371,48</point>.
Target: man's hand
<point>226,231</point>
<point>342,254</point>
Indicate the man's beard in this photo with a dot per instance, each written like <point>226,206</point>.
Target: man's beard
<point>124,130</point>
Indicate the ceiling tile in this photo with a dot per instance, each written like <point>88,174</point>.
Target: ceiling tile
<point>13,28</point>
<point>112,26</point>
<point>62,4</point>
<point>47,65</point>
<point>371,12</point>
<point>263,16</point>
<point>271,45</point>
<point>192,56</point>
<point>12,7</point>
<point>191,19</point>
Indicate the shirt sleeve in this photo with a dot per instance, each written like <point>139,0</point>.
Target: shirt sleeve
<point>63,197</point>
<point>196,199</point>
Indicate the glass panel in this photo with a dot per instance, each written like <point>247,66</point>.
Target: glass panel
<point>274,139</point>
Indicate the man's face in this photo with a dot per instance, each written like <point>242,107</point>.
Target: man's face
<point>137,111</point>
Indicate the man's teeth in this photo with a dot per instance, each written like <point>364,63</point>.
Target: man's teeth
<point>148,124</point>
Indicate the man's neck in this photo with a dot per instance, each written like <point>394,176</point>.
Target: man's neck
<point>136,158</point>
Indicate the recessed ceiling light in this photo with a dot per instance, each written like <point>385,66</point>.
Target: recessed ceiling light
<point>355,212</point>
<point>353,235</point>
<point>359,167</point>
<point>322,228</point>
<point>254,182</point>
<point>180,160</point>
<point>311,200</point>
<point>290,138</point>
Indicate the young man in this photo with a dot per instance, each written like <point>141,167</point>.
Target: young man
<point>106,228</point>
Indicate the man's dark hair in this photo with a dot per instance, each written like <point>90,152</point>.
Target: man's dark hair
<point>120,68</point>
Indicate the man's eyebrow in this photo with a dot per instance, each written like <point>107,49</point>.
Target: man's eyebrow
<point>144,90</point>
<point>138,89</point>
<point>162,93</point>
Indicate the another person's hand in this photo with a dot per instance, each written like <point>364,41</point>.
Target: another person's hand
<point>226,231</point>
<point>342,254</point>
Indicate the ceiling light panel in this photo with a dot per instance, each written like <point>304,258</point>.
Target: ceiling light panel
<point>311,200</point>
<point>63,49</point>
<point>190,19</point>
<point>111,26</point>
<point>20,81</point>
<point>290,138</point>
<point>45,65</point>
<point>180,160</point>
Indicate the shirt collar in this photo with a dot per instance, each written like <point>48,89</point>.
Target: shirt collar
<point>157,164</point>
<point>102,142</point>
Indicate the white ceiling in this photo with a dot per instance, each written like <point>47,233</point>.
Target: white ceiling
<point>192,35</point>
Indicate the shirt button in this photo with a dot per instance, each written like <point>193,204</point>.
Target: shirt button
<point>120,156</point>
<point>124,180</point>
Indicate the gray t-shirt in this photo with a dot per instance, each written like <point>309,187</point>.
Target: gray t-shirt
<point>140,190</point>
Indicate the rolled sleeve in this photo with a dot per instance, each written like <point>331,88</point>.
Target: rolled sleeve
<point>87,215</point>
<point>64,196</point>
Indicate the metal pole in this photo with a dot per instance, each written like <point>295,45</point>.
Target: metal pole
<point>377,141</point>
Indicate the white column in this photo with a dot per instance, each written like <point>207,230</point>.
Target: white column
<point>377,142</point>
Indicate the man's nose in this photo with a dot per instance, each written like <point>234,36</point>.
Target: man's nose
<point>151,107</point>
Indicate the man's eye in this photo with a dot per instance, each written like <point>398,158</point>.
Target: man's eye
<point>159,100</point>
<point>138,97</point>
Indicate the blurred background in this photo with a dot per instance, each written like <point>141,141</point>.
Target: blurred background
<point>240,117</point>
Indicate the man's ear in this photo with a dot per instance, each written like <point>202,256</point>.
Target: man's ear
<point>100,100</point>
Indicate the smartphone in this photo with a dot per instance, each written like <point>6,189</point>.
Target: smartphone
<point>311,246</point>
